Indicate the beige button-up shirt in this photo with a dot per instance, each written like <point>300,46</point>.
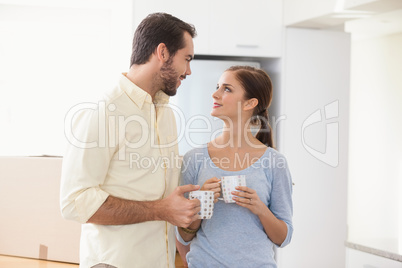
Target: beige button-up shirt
<point>125,147</point>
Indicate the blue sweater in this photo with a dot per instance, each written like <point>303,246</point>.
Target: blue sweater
<point>234,236</point>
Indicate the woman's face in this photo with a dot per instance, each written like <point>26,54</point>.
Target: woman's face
<point>228,97</point>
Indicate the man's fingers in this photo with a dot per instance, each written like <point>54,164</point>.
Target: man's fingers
<point>196,203</point>
<point>197,209</point>
<point>195,217</point>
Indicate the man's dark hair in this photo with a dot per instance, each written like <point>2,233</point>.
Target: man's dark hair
<point>155,29</point>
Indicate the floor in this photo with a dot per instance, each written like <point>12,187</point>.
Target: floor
<point>15,262</point>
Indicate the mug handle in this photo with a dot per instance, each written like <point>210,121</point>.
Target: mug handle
<point>220,198</point>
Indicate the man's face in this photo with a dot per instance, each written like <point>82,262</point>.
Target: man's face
<point>177,68</point>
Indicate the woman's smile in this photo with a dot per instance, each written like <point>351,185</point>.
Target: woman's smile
<point>216,105</point>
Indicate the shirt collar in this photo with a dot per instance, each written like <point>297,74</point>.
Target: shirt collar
<point>140,96</point>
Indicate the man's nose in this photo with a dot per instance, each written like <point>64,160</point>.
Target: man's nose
<point>188,70</point>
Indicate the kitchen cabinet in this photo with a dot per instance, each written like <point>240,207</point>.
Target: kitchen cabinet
<point>252,28</point>
<point>226,27</point>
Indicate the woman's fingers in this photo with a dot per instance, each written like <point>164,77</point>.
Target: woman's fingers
<point>216,196</point>
<point>245,189</point>
<point>212,187</point>
<point>243,194</point>
<point>212,184</point>
<point>245,202</point>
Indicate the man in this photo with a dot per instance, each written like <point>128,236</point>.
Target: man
<point>121,180</point>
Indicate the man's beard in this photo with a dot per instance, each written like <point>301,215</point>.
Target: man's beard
<point>169,78</point>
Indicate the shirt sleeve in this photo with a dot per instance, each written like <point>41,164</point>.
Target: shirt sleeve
<point>281,196</point>
<point>85,165</point>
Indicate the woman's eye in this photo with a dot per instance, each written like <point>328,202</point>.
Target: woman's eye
<point>224,89</point>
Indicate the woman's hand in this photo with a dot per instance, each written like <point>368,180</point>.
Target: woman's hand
<point>248,198</point>
<point>213,184</point>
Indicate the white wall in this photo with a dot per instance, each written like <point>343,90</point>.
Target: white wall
<point>316,83</point>
<point>375,175</point>
<point>54,55</point>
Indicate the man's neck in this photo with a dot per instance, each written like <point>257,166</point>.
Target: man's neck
<point>145,77</point>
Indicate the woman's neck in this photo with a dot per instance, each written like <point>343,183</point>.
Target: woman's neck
<point>237,136</point>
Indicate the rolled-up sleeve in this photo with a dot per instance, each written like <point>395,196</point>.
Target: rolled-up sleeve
<point>85,165</point>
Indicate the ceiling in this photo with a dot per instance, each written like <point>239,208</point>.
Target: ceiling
<point>369,20</point>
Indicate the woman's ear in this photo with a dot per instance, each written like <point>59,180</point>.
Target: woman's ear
<point>162,52</point>
<point>250,104</point>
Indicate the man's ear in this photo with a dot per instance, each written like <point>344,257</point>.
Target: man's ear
<point>250,104</point>
<point>162,52</point>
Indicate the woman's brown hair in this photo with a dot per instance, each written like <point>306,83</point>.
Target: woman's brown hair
<point>257,84</point>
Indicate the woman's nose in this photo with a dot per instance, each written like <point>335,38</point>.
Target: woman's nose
<point>216,95</point>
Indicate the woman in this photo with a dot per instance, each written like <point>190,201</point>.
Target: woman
<point>241,234</point>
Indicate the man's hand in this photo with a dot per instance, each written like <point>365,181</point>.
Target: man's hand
<point>179,210</point>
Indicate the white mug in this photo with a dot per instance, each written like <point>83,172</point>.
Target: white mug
<point>229,184</point>
<point>207,203</point>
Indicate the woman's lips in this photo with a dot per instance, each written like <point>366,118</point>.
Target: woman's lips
<point>216,105</point>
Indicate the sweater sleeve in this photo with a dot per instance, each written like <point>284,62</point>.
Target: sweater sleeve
<point>187,176</point>
<point>188,168</point>
<point>281,196</point>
